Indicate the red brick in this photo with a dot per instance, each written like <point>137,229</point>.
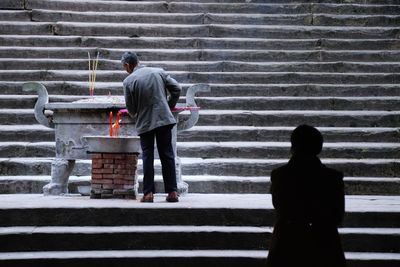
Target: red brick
<point>123,181</point>
<point>96,160</point>
<point>95,191</point>
<point>108,156</point>
<point>129,186</point>
<point>131,157</point>
<point>106,171</point>
<point>108,186</point>
<point>97,165</point>
<point>119,181</point>
<point>132,162</point>
<point>95,171</point>
<point>97,176</point>
<point>122,176</point>
<point>96,156</point>
<point>119,166</point>
<point>102,161</point>
<point>126,172</point>
<point>131,167</point>
<point>109,166</point>
<point>120,156</point>
<point>96,186</point>
<point>121,161</point>
<point>108,176</point>
<point>107,181</point>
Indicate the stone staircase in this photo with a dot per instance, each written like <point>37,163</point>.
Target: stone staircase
<point>202,230</point>
<point>272,65</point>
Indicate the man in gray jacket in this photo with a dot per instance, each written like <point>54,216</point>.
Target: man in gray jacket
<point>146,98</point>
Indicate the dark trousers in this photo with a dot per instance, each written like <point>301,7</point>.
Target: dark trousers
<point>163,138</point>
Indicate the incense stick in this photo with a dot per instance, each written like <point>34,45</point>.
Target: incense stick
<point>90,76</point>
<point>95,71</point>
<point>92,72</point>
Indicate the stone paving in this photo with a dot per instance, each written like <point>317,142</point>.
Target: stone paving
<point>229,201</point>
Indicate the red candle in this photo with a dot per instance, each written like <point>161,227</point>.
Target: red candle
<point>117,123</point>
<point>111,115</point>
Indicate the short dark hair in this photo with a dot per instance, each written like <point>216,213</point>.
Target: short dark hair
<point>129,58</point>
<point>306,140</point>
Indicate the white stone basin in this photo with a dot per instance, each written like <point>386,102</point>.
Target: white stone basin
<point>107,144</point>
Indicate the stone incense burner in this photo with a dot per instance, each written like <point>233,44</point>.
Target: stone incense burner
<point>90,117</point>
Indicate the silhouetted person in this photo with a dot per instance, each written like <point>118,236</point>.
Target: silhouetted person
<point>308,199</point>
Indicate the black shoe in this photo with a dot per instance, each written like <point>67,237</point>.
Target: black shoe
<point>172,197</point>
<point>147,198</point>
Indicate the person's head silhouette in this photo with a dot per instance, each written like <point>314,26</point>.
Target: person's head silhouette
<point>306,140</point>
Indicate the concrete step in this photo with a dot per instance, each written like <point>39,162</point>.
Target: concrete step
<point>209,77</point>
<point>214,166</point>
<point>178,258</point>
<point>301,103</point>
<point>235,184</point>
<point>186,30</point>
<point>19,4</point>
<point>135,237</point>
<point>206,54</point>
<point>38,133</point>
<point>271,150</point>
<point>204,66</point>
<point>53,238</point>
<point>282,134</point>
<point>137,258</point>
<point>242,149</point>
<point>26,133</point>
<point>204,184</point>
<point>323,118</point>
<point>199,43</point>
<point>389,2</point>
<point>355,20</point>
<point>191,7</point>
<point>212,18</point>
<point>11,4</point>
<point>222,90</point>
<point>192,210</point>
<point>17,116</point>
<point>15,15</point>
<point>20,101</point>
<point>246,103</point>
<point>27,149</point>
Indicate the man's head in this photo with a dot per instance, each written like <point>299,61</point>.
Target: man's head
<point>129,61</point>
<point>306,140</point>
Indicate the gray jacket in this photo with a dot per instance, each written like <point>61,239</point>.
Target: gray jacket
<point>145,92</point>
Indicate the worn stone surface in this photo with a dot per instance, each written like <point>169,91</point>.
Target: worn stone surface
<point>253,55</point>
<point>215,166</point>
<point>199,43</point>
<point>201,184</point>
<point>12,4</point>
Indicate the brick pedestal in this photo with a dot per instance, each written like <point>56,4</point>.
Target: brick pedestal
<point>114,175</point>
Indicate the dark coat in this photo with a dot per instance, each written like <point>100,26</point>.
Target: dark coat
<point>308,199</point>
